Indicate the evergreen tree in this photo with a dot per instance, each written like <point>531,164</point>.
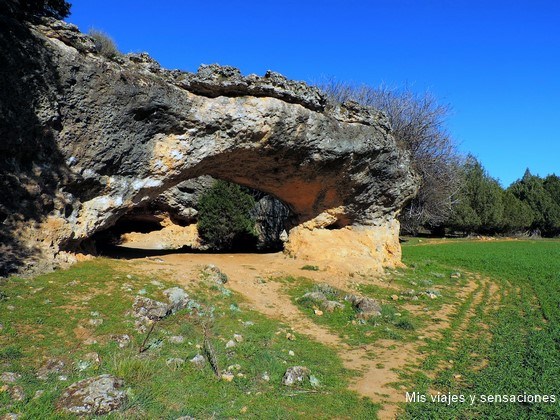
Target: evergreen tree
<point>531,190</point>
<point>224,216</point>
<point>480,207</point>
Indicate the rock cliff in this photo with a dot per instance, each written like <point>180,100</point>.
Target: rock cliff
<point>87,139</point>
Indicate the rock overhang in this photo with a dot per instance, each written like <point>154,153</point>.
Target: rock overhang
<point>127,130</point>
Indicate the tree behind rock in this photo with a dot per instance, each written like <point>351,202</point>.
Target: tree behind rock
<point>224,216</point>
<point>418,123</point>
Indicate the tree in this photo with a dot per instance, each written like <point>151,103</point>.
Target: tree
<point>58,9</point>
<point>480,205</point>
<point>418,123</point>
<point>224,216</point>
<point>531,190</point>
<point>518,215</point>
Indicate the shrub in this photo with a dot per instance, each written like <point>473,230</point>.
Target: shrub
<point>104,44</point>
<point>224,216</point>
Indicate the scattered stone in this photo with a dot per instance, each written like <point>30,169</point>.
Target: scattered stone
<point>332,305</point>
<point>265,377</point>
<point>318,312</point>
<point>16,393</point>
<point>90,341</point>
<point>213,274</point>
<point>94,314</point>
<point>394,297</point>
<point>157,283</point>
<point>50,367</point>
<point>123,340</point>
<point>240,375</point>
<point>176,339</point>
<point>9,377</point>
<point>313,381</point>
<point>414,298</point>
<point>10,416</point>
<point>238,337</point>
<point>243,410</point>
<point>174,363</point>
<point>96,322</point>
<point>367,307</point>
<point>142,292</point>
<point>199,361</point>
<point>290,337</point>
<point>92,357</point>
<point>235,367</point>
<point>10,307</point>
<point>291,353</point>
<point>295,374</point>
<point>62,378</point>
<point>150,309</point>
<point>248,323</point>
<point>318,297</point>
<point>73,283</point>
<point>457,376</point>
<point>178,298</point>
<point>93,396</point>
<point>38,394</point>
<point>227,376</point>
<point>230,344</point>
<point>456,275</point>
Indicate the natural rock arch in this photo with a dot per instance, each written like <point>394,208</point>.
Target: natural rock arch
<point>126,130</point>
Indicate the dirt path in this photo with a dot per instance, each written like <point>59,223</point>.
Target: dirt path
<point>251,274</point>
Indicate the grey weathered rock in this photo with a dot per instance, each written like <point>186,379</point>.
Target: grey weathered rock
<point>213,275</point>
<point>151,309</point>
<point>176,339</point>
<point>86,140</point>
<point>199,361</point>
<point>178,299</point>
<point>295,374</point>
<point>123,340</point>
<point>94,396</point>
<point>366,307</point>
<point>9,377</point>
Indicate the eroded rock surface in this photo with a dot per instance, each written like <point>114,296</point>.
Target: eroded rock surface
<point>86,140</point>
<point>94,396</point>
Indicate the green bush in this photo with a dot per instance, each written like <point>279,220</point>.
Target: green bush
<point>224,217</point>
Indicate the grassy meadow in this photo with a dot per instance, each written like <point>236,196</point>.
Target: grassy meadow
<point>494,307</point>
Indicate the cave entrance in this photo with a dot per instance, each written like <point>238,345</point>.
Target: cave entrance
<point>201,215</point>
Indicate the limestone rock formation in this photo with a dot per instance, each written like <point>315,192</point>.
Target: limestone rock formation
<point>86,140</point>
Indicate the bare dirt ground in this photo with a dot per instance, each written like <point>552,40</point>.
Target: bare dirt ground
<point>250,275</point>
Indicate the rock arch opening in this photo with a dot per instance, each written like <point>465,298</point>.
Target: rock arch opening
<point>169,224</point>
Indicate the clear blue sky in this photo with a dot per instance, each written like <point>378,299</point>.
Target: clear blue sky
<point>496,62</point>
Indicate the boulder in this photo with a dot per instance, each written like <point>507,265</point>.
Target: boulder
<point>94,396</point>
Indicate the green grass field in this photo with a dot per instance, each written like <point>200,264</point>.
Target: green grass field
<point>501,338</point>
<point>522,344</point>
<point>46,317</point>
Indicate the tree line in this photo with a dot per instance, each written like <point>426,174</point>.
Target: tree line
<point>456,193</point>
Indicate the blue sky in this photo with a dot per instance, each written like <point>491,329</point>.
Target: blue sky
<point>496,62</point>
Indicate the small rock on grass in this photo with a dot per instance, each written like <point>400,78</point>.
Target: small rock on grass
<point>295,374</point>
<point>230,344</point>
<point>123,340</point>
<point>199,361</point>
<point>174,363</point>
<point>17,393</point>
<point>9,377</point>
<point>176,339</point>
